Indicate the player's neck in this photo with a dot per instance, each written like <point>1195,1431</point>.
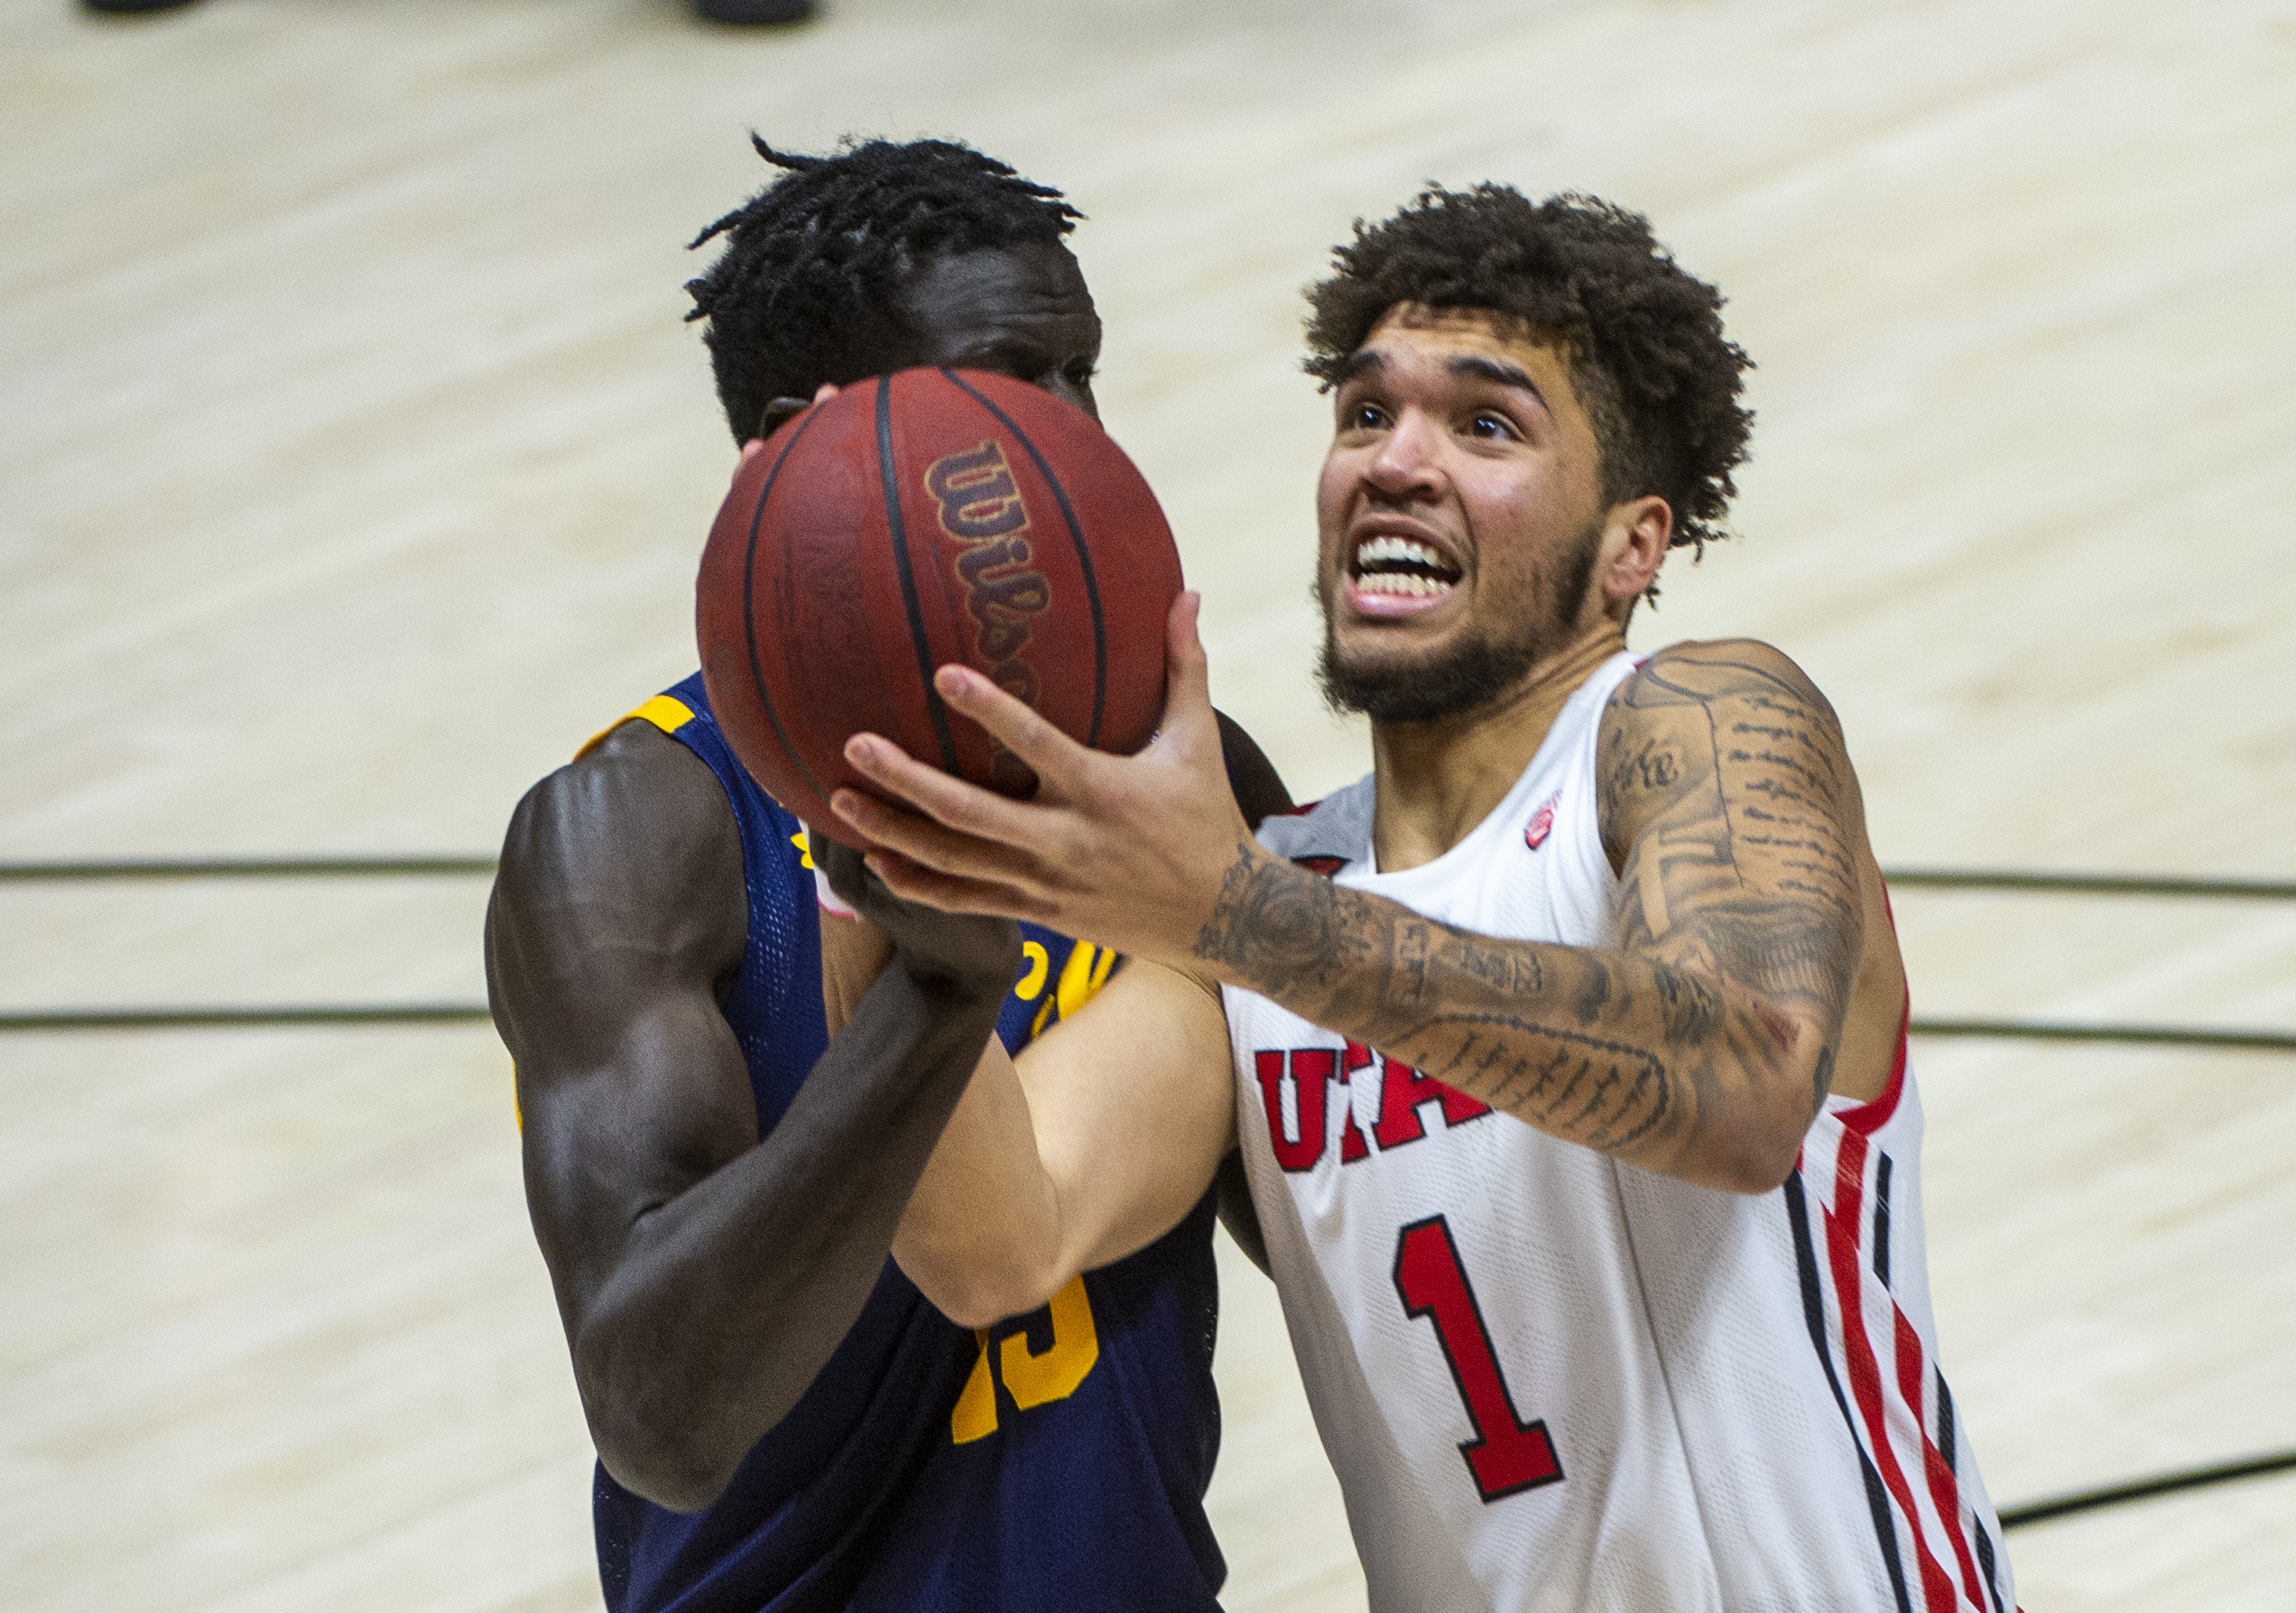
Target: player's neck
<point>1436,781</point>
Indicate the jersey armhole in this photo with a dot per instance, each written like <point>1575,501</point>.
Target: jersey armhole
<point>1870,1116</point>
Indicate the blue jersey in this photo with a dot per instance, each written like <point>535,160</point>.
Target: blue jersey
<point>1057,1461</point>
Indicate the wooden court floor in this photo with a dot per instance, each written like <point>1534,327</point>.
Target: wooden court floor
<point>353,465</point>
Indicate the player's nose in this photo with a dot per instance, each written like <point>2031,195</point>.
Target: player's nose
<point>1408,461</point>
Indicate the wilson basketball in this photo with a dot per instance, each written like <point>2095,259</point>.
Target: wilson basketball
<point>917,520</point>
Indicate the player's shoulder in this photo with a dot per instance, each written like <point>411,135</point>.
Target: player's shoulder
<point>1704,671</point>
<point>634,808</point>
<point>1336,829</point>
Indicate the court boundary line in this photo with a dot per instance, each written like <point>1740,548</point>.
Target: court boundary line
<point>2075,1502</point>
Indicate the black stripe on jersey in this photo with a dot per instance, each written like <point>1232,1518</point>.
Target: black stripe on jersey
<point>1985,1561</point>
<point>899,531</point>
<point>1945,1425</point>
<point>1813,1311</point>
<point>1948,1431</point>
<point>1880,1219</point>
<point>1075,536</point>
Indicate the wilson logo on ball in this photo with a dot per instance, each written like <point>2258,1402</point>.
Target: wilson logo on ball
<point>983,512</point>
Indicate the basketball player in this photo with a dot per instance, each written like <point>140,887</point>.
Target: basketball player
<point>1567,1048</point>
<point>781,1421</point>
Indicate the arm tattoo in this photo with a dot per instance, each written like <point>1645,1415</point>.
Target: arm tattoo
<point>1728,808</point>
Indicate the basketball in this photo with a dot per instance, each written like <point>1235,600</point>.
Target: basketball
<point>917,520</point>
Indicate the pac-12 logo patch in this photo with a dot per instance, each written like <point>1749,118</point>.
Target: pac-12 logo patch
<point>1541,824</point>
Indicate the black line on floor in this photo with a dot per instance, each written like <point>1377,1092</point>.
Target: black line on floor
<point>244,867</point>
<point>2224,1038</point>
<point>241,1018</point>
<point>2144,1490</point>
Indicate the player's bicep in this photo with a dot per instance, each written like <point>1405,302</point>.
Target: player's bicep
<point>1134,1109</point>
<point>1728,804</point>
<point>608,929</point>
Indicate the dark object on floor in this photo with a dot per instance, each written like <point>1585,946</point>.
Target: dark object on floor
<point>131,5</point>
<point>755,10</point>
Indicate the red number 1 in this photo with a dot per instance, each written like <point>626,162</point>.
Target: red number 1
<point>1506,1453</point>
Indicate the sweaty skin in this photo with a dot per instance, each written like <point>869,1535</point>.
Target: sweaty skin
<point>1753,969</point>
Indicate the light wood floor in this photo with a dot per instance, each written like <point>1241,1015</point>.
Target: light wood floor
<point>354,462</point>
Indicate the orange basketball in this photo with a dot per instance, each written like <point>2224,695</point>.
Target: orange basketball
<point>916,519</point>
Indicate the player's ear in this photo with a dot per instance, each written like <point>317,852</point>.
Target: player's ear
<point>781,411</point>
<point>778,412</point>
<point>1634,546</point>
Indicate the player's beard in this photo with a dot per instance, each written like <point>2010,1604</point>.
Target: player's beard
<point>1472,672</point>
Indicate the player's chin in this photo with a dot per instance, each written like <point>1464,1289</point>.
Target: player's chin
<point>1369,678</point>
<point>1392,647</point>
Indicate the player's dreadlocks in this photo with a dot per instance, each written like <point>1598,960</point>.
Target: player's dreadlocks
<point>1658,379</point>
<point>807,287</point>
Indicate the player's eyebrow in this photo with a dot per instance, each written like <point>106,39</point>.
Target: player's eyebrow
<point>1500,372</point>
<point>1359,362</point>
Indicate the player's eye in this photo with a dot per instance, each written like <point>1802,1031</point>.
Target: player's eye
<point>1491,428</point>
<point>1081,372</point>
<point>1362,417</point>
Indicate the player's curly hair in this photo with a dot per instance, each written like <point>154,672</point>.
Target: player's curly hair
<point>807,288</point>
<point>1659,380</point>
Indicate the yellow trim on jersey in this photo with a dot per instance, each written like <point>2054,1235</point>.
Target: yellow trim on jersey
<point>1083,976</point>
<point>975,1417</point>
<point>1039,962</point>
<point>1086,972</point>
<point>666,712</point>
<point>1034,1379</point>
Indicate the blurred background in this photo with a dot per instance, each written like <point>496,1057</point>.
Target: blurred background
<point>354,461</point>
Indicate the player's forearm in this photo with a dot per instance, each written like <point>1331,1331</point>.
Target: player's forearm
<point>983,1235</point>
<point>1665,1067</point>
<point>730,1298</point>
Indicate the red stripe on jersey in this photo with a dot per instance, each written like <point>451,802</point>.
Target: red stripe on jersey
<point>1844,1223</point>
<point>1945,1490</point>
<point>1871,1116</point>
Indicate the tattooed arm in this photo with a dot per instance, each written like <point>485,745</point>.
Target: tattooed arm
<point>1700,1044</point>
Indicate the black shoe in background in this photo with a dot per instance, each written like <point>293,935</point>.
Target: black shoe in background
<point>755,10</point>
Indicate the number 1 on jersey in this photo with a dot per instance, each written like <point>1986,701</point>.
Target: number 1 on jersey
<point>1506,1453</point>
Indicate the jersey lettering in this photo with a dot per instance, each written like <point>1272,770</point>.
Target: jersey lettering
<point>1308,1071</point>
<point>1399,1097</point>
<point>1506,1455</point>
<point>1294,1091</point>
<point>1352,1147</point>
<point>1032,1377</point>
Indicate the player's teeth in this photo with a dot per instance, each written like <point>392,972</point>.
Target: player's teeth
<point>1373,550</point>
<point>1408,583</point>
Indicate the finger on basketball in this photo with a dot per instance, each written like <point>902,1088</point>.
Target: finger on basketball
<point>914,882</point>
<point>1188,682</point>
<point>933,845</point>
<point>927,790</point>
<point>1055,758</point>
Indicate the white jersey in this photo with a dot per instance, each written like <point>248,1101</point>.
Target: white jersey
<point>1550,1380</point>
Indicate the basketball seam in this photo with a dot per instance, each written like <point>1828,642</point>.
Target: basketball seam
<point>749,606</point>
<point>1084,555</point>
<point>933,706</point>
